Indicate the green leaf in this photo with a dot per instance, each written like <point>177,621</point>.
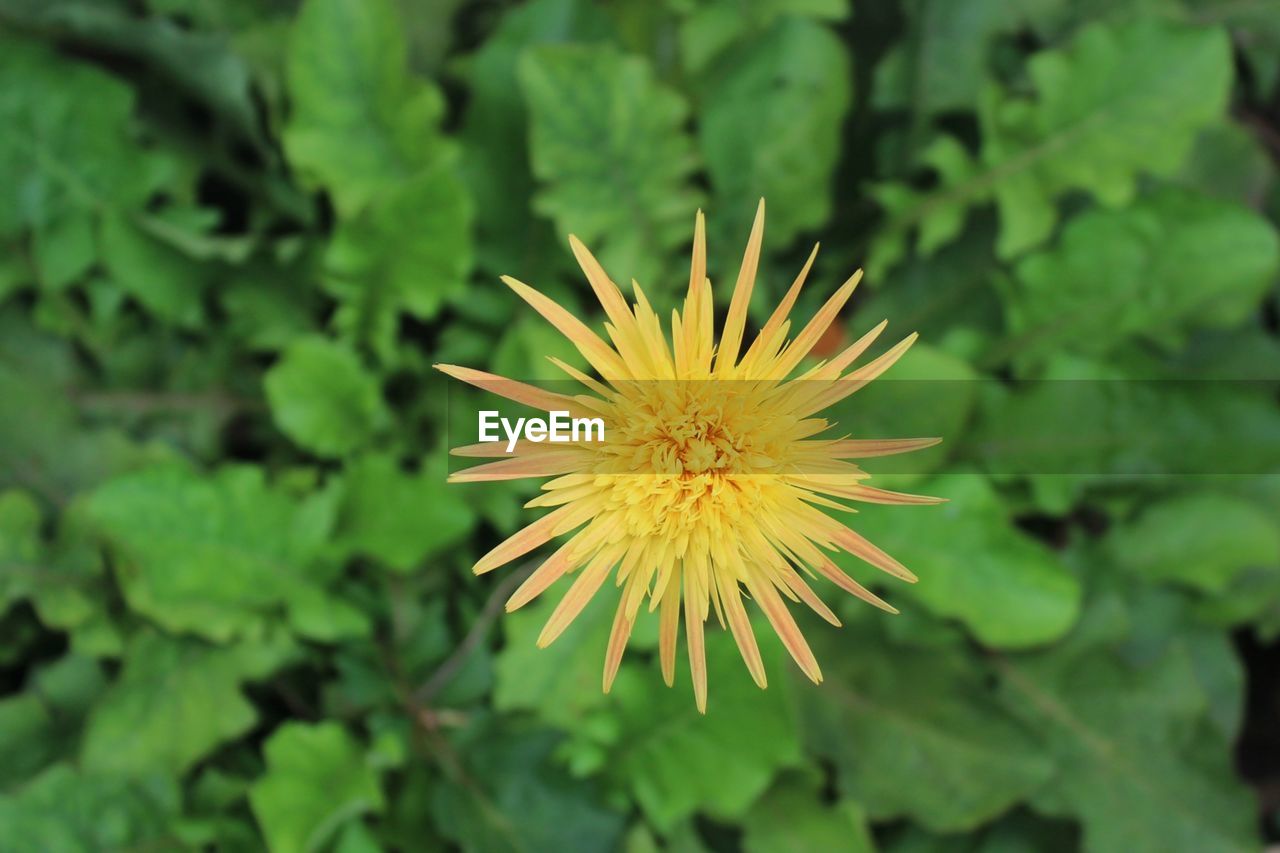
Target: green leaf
<point>607,142</point>
<point>1229,162</point>
<point>1085,425</point>
<point>42,724</point>
<point>1021,831</point>
<point>269,305</point>
<point>676,762</point>
<point>68,144</point>
<point>82,812</point>
<point>793,816</point>
<point>319,615</point>
<point>1202,540</point>
<point>213,556</point>
<point>359,122</point>
<point>942,62</point>
<point>399,517</point>
<point>1171,262</point>
<point>561,683</point>
<point>64,581</point>
<point>317,780</point>
<point>770,126</point>
<point>1134,762</point>
<point>1009,590</point>
<point>175,701</point>
<point>890,716</point>
<point>322,397</point>
<point>199,64</point>
<point>64,250</point>
<point>167,283</point>
<point>711,27</point>
<point>20,544</point>
<point>408,250</point>
<point>1081,132</point>
<point>519,800</point>
<point>495,126</point>
<point>44,446</point>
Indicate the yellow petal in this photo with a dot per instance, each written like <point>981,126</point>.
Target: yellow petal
<point>511,389</point>
<point>582,591</point>
<point>736,320</point>
<point>600,355</point>
<point>740,625</point>
<point>669,629</point>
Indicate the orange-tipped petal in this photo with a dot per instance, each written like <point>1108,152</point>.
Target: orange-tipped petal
<point>611,299</point>
<point>787,629</point>
<point>601,356</point>
<point>852,448</point>
<point>803,592</point>
<point>872,495</point>
<point>833,368</point>
<point>517,468</point>
<point>740,625</point>
<point>623,620</point>
<point>860,378</point>
<point>494,449</point>
<point>813,331</point>
<point>551,570</point>
<point>511,389</point>
<point>864,550</point>
<point>538,533</point>
<point>582,591</point>
<point>833,573</point>
<point>783,311</point>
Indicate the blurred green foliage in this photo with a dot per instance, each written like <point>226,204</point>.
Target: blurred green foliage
<point>236,606</point>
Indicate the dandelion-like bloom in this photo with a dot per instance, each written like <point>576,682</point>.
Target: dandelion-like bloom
<point>712,480</point>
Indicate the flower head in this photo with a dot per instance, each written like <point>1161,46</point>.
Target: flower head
<point>713,480</point>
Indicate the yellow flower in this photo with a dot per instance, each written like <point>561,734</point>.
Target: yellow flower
<point>711,480</point>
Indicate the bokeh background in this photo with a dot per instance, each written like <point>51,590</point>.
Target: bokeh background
<point>236,606</point>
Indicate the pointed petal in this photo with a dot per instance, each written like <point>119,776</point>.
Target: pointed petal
<point>802,590</point>
<point>851,448</point>
<point>833,573</point>
<point>601,356</point>
<point>872,495</point>
<point>511,389</point>
<point>780,618</point>
<point>864,550</point>
<point>783,311</point>
<point>523,448</point>
<point>736,320</point>
<point>669,629</point>
<point>623,620</point>
<point>544,576</point>
<point>698,266</point>
<point>833,368</point>
<point>533,536</point>
<point>860,378</point>
<point>740,625</point>
<point>599,387</point>
<point>546,465</point>
<point>584,588</point>
<point>693,619</point>
<point>611,298</point>
<point>814,329</point>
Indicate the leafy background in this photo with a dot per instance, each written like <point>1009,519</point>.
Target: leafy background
<point>237,611</point>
